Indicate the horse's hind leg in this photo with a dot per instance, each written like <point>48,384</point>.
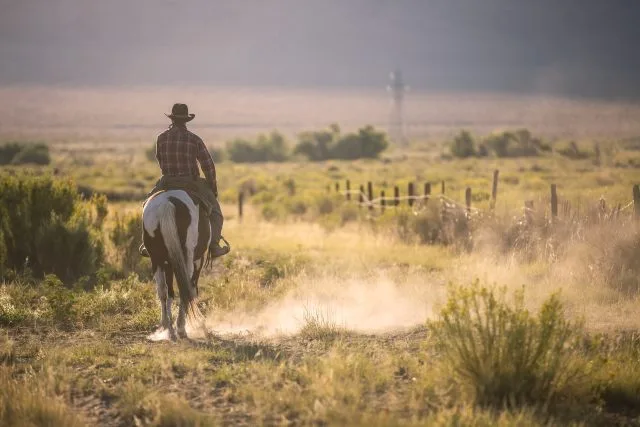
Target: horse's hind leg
<point>182,332</point>
<point>160,275</point>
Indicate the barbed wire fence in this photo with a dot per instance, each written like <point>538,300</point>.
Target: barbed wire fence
<point>366,200</point>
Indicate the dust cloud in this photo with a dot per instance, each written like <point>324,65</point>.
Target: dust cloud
<point>372,305</point>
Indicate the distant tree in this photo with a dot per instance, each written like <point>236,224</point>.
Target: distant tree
<point>267,148</point>
<point>499,143</point>
<point>18,153</point>
<point>367,143</point>
<point>463,145</point>
<point>330,144</point>
<point>317,145</point>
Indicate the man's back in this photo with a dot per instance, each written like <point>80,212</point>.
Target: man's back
<point>177,151</point>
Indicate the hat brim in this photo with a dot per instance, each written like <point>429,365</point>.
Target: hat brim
<point>185,118</point>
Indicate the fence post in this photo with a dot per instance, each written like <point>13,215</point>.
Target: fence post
<point>361,196</point>
<point>240,204</point>
<point>494,188</point>
<point>442,187</point>
<point>337,187</point>
<point>636,201</point>
<point>370,194</point>
<point>528,211</point>
<point>382,201</point>
<point>427,189</point>
<point>554,201</point>
<point>467,199</point>
<point>348,190</point>
<point>410,190</point>
<point>396,195</point>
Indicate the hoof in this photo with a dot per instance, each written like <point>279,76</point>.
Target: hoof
<point>182,334</point>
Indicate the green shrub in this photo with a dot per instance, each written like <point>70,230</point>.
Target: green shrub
<point>267,148</point>
<point>8,151</point>
<point>46,228</point>
<point>518,143</point>
<point>18,153</point>
<point>329,144</point>
<point>32,153</point>
<point>499,143</point>
<point>69,249</point>
<point>366,143</point>
<point>463,145</point>
<point>500,353</point>
<point>60,300</point>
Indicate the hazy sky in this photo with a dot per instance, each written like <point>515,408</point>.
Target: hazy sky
<point>578,47</point>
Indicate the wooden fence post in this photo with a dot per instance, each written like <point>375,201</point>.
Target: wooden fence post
<point>427,191</point>
<point>442,187</point>
<point>554,201</point>
<point>240,204</point>
<point>370,194</point>
<point>361,196</point>
<point>382,201</point>
<point>396,196</point>
<point>467,199</point>
<point>411,195</point>
<point>636,201</point>
<point>494,188</point>
<point>528,211</point>
<point>348,190</point>
<point>337,187</point>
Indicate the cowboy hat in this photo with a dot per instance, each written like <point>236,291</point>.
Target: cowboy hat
<point>180,112</point>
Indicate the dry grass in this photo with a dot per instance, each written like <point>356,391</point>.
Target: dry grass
<point>317,320</point>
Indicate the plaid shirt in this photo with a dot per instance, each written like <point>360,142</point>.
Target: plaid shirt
<point>178,152</point>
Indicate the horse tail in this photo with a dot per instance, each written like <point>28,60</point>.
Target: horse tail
<point>169,230</point>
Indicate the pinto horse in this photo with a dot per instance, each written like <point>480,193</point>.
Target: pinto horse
<point>177,233</point>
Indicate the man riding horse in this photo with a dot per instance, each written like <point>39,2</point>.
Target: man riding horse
<point>178,152</point>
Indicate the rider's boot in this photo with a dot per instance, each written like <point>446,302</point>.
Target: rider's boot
<point>143,251</point>
<point>216,234</point>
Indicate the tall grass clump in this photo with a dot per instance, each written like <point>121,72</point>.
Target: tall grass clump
<point>502,354</point>
<point>319,324</point>
<point>32,402</point>
<point>126,237</point>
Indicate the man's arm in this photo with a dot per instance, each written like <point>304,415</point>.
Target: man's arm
<point>207,165</point>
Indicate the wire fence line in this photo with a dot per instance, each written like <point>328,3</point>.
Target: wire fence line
<point>365,199</point>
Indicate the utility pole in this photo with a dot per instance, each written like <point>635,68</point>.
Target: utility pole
<point>396,122</point>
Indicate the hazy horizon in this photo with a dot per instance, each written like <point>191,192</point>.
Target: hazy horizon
<point>573,48</point>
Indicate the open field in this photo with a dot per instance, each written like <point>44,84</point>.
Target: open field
<point>326,313</point>
<point>125,115</point>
